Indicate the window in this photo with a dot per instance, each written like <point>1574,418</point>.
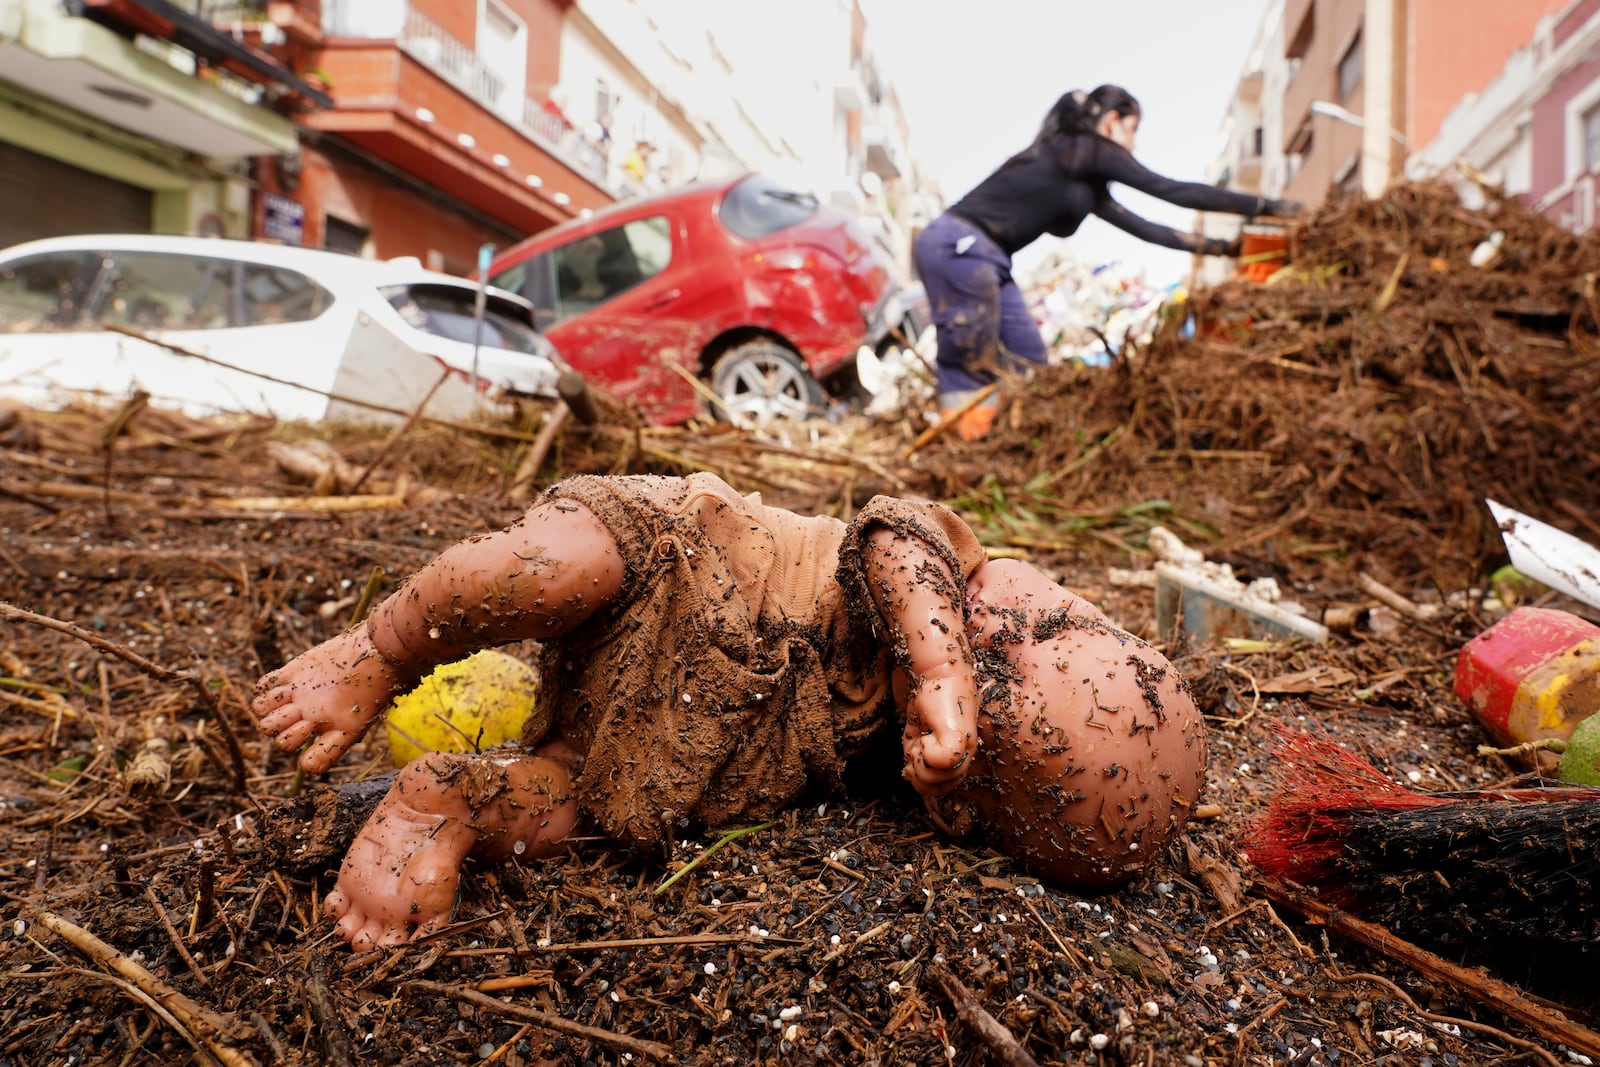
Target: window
<point>341,236</point>
<point>1591,139</point>
<point>1350,68</point>
<point>599,266</point>
<point>758,206</point>
<point>450,312</point>
<point>155,291</point>
<point>274,294</point>
<point>45,292</point>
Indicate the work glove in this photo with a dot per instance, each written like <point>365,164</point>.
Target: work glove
<point>1218,246</point>
<point>1281,209</point>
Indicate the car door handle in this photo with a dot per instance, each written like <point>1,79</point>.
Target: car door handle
<point>664,299</point>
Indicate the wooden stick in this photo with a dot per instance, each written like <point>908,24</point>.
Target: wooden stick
<point>172,934</point>
<point>1001,1043</point>
<point>1384,595</point>
<point>206,1025</point>
<point>1492,992</point>
<point>933,432</point>
<point>335,1038</point>
<point>322,505</point>
<point>108,439</point>
<point>522,481</point>
<point>133,992</point>
<point>400,431</point>
<point>575,397</point>
<point>607,1038</point>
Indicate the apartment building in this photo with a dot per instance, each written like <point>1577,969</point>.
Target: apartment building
<point>1535,129</point>
<point>1369,81</point>
<point>425,128</point>
<point>818,113</point>
<point>127,117</point>
<point>1251,157</point>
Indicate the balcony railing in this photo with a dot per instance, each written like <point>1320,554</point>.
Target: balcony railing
<point>222,12</point>
<point>455,62</point>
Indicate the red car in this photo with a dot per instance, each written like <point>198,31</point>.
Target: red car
<point>742,290</point>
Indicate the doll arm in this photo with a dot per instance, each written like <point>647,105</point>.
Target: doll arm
<point>918,597</point>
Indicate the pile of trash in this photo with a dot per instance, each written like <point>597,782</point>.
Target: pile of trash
<point>1089,313</point>
<point>1359,405</point>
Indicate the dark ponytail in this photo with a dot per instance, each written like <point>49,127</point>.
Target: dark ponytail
<point>1077,113</point>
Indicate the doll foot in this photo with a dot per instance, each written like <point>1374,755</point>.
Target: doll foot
<point>332,692</point>
<point>400,876</point>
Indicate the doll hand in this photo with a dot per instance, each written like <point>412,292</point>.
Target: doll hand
<point>941,735</point>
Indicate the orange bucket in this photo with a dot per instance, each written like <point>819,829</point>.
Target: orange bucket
<point>1262,253</point>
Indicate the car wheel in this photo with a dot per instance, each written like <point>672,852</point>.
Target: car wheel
<point>761,382</point>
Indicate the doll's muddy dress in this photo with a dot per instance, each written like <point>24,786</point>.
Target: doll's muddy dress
<point>744,661</point>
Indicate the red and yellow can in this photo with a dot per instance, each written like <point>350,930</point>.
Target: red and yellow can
<point>1534,674</point>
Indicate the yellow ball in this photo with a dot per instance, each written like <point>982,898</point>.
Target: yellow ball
<point>465,706</point>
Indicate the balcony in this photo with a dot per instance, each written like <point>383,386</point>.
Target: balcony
<point>849,91</point>
<point>884,156</point>
<point>424,101</point>
<point>1249,91</point>
<point>88,65</point>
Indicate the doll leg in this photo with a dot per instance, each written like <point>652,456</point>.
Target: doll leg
<point>538,578</point>
<point>400,876</point>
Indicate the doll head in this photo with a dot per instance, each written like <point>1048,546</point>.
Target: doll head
<point>1091,752</point>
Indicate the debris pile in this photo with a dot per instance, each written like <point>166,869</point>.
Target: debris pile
<point>1348,416</point>
<point>1358,406</point>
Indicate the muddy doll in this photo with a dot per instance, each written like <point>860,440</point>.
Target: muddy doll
<point>705,660</point>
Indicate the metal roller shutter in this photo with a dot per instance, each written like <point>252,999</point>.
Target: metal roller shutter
<point>43,197</point>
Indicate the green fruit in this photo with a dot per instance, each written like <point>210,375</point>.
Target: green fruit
<point>1580,763</point>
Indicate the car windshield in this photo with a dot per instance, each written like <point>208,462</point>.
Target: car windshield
<point>449,311</point>
<point>758,206</point>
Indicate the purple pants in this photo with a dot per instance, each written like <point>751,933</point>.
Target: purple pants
<point>983,324</point>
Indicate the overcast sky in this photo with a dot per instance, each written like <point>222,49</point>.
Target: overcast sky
<point>975,81</point>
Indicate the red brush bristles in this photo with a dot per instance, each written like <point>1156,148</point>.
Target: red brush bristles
<point>1324,783</point>
<point>1324,795</point>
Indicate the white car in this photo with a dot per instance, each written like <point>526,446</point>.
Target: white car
<point>207,325</point>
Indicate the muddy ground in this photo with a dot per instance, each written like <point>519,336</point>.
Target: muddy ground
<point>1336,430</point>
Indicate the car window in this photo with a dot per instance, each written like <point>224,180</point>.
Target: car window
<point>599,266</point>
<point>160,291</point>
<point>276,294</point>
<point>451,312</point>
<point>533,279</point>
<point>46,292</point>
<point>757,206</point>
